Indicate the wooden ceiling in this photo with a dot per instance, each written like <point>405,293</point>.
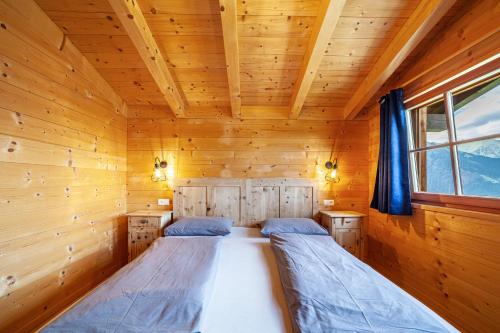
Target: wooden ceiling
<point>283,58</point>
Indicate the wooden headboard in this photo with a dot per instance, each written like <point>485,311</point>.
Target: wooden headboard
<point>247,201</point>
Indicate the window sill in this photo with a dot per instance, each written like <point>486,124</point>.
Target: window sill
<point>454,202</point>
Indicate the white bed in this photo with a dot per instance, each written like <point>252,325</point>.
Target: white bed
<point>247,295</point>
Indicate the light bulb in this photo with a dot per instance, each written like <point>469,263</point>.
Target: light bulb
<point>157,174</point>
<point>333,173</point>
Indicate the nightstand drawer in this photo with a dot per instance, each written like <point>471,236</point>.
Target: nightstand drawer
<point>144,226</point>
<point>144,221</point>
<point>346,228</point>
<point>140,239</point>
<point>349,239</point>
<point>347,222</point>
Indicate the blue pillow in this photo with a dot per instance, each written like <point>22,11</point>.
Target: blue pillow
<point>292,225</point>
<point>200,226</point>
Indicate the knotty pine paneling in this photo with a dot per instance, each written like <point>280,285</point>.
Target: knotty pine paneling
<point>447,258</point>
<point>63,142</point>
<point>235,148</point>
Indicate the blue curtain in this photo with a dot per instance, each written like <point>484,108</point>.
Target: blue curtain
<point>392,187</point>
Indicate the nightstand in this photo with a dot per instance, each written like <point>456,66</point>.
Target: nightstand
<point>345,228</point>
<point>144,226</point>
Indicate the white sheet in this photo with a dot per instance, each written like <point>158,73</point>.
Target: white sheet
<point>247,296</point>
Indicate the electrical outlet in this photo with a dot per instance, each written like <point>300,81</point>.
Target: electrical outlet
<point>328,202</point>
<point>163,202</point>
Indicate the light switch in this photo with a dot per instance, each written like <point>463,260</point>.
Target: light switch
<point>163,202</point>
<point>328,202</point>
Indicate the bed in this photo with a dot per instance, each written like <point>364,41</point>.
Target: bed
<point>166,289</point>
<point>329,290</point>
<point>232,285</point>
<point>232,282</point>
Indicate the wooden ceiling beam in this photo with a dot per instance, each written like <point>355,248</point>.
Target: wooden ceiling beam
<point>423,19</point>
<point>135,24</point>
<point>325,24</point>
<point>228,14</point>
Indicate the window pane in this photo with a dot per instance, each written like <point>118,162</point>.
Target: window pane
<point>434,171</point>
<point>429,125</point>
<point>479,164</point>
<point>477,110</point>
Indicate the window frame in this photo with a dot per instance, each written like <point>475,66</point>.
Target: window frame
<point>445,91</point>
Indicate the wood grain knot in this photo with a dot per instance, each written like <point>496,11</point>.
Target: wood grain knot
<point>10,280</point>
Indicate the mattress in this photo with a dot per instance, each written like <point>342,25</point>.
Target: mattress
<point>329,290</point>
<point>247,295</point>
<point>166,289</point>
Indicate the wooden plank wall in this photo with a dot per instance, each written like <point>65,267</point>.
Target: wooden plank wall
<point>235,148</point>
<point>62,171</point>
<point>447,258</point>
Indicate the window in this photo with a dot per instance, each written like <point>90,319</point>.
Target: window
<point>454,140</point>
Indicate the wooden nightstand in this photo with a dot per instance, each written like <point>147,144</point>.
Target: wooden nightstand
<point>144,226</point>
<point>345,228</point>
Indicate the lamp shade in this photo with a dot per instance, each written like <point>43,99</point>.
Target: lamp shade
<point>159,174</point>
<point>331,175</point>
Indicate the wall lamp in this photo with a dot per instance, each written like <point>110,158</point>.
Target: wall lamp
<point>159,175</point>
<point>331,174</point>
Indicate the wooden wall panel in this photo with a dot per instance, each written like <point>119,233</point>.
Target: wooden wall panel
<point>225,201</point>
<point>192,201</point>
<point>264,203</point>
<point>63,167</point>
<point>447,258</point>
<point>296,202</point>
<point>235,148</point>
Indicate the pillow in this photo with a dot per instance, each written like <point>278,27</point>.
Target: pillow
<point>200,226</point>
<point>292,225</point>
